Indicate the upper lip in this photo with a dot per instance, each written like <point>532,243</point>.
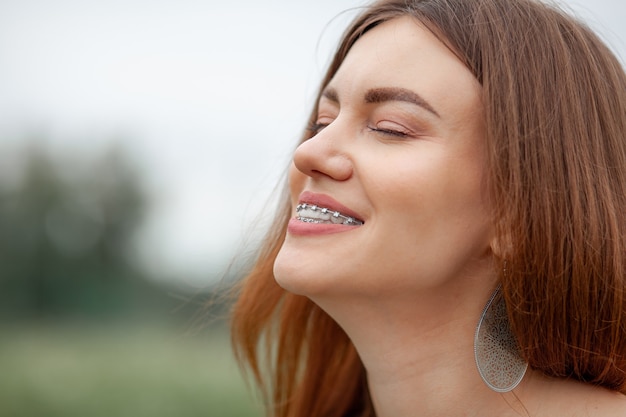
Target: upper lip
<point>323,200</point>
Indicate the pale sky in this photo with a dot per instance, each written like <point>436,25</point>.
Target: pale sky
<point>210,96</point>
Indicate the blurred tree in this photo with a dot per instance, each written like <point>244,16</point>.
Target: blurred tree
<point>65,230</point>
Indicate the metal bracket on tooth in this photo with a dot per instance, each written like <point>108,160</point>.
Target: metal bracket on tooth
<point>347,220</point>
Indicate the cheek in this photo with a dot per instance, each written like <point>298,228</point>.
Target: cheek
<point>442,197</point>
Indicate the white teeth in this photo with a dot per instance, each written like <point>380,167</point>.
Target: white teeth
<point>313,214</point>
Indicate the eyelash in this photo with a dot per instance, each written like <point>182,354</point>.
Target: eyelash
<point>315,128</point>
<point>388,132</point>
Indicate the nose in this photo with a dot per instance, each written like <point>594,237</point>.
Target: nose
<point>324,156</point>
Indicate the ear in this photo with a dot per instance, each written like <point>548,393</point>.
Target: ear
<point>502,246</point>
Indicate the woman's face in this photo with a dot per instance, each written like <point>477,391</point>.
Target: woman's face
<point>399,148</point>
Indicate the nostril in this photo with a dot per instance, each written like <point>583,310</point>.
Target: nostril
<point>323,156</point>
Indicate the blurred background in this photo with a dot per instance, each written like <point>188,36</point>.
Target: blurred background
<point>140,144</point>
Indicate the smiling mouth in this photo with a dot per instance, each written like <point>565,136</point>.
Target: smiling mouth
<point>310,213</point>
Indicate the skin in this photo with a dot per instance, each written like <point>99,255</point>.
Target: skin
<point>419,193</point>
<point>409,285</point>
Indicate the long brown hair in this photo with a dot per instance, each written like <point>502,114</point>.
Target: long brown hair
<point>555,117</point>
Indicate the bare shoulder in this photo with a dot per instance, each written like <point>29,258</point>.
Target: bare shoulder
<point>605,403</point>
<point>562,398</point>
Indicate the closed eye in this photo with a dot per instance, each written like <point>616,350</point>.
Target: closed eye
<point>389,132</point>
<point>316,127</point>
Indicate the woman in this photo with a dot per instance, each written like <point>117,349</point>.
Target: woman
<point>453,237</point>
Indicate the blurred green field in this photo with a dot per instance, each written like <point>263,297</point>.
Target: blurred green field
<point>130,370</point>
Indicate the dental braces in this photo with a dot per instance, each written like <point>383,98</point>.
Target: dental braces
<point>347,220</point>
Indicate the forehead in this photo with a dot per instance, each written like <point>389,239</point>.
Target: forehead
<point>403,53</point>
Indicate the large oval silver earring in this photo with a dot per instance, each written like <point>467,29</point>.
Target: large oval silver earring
<point>495,348</point>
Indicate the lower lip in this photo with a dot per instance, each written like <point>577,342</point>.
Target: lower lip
<point>300,228</point>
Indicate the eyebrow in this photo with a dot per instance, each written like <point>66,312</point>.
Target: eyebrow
<point>381,95</point>
<point>331,94</point>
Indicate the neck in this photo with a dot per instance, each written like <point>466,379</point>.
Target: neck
<point>418,353</point>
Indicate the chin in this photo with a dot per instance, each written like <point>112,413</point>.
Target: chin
<point>289,274</point>
<point>300,276</point>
